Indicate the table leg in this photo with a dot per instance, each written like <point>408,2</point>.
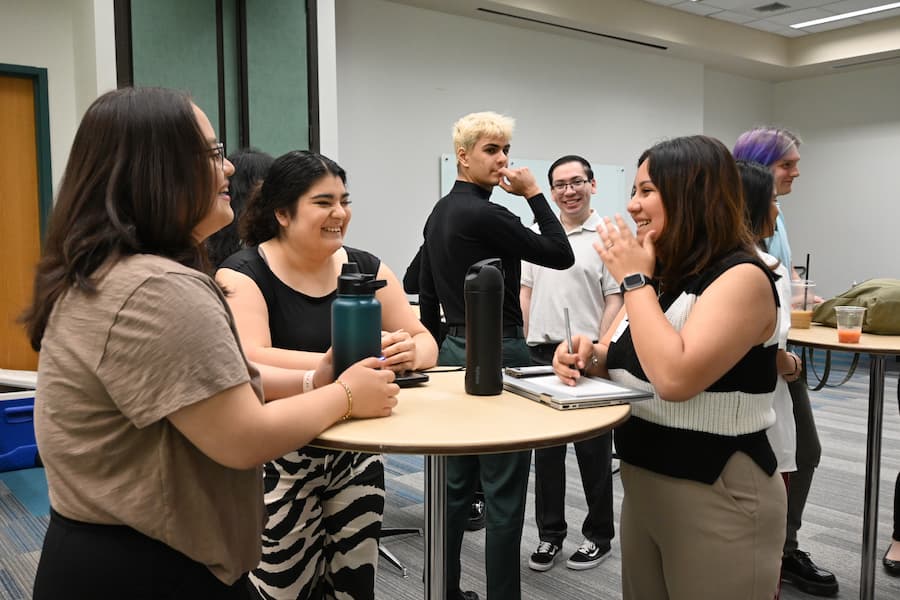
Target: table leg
<point>873,475</point>
<point>435,527</point>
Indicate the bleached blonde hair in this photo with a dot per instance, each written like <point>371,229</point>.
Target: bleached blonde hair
<point>472,127</point>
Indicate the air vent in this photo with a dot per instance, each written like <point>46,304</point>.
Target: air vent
<point>774,7</point>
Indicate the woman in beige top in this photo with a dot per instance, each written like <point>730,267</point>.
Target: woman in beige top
<point>150,421</point>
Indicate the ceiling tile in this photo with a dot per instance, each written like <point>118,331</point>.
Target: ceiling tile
<point>743,12</point>
<point>764,25</point>
<point>732,17</point>
<point>696,8</point>
<point>887,14</point>
<point>843,6</point>
<point>792,33</point>
<point>799,16</point>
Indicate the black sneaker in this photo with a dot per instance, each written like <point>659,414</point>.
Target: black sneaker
<point>588,556</point>
<point>798,569</point>
<point>462,596</point>
<point>543,558</point>
<point>476,516</point>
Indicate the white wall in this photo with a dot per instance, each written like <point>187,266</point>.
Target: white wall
<point>406,74</point>
<point>72,40</point>
<point>733,104</point>
<point>845,207</point>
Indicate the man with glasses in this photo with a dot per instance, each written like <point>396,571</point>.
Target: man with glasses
<point>593,299</point>
<point>465,227</point>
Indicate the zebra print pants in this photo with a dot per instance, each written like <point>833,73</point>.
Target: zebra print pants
<point>321,537</point>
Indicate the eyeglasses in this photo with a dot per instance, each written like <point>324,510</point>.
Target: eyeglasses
<point>575,184</point>
<point>217,151</point>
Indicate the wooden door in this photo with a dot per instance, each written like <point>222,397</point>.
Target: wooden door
<point>20,237</point>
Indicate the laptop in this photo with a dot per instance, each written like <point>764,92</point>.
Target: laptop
<point>590,392</point>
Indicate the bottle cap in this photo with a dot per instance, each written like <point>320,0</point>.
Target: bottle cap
<point>485,276</point>
<point>353,283</point>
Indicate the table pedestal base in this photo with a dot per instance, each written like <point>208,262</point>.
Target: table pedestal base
<point>873,474</point>
<point>435,573</point>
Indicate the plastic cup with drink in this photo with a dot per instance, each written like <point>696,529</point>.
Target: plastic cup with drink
<point>802,300</point>
<point>849,323</point>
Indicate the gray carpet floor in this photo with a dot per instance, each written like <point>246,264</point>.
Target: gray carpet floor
<point>831,531</point>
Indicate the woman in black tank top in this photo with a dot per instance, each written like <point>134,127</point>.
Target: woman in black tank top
<point>325,507</point>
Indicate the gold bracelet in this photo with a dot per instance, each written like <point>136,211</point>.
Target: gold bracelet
<point>349,399</point>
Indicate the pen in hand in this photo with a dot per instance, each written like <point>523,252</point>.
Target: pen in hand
<point>569,345</point>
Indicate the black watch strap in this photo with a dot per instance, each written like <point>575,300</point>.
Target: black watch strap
<point>635,281</point>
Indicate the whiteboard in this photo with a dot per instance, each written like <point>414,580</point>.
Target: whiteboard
<point>611,196</point>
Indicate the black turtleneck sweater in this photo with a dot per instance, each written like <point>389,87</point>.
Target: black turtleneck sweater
<point>466,227</point>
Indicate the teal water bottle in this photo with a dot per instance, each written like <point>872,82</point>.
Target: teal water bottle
<point>355,318</point>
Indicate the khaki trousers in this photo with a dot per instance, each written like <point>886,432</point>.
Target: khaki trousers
<point>686,540</point>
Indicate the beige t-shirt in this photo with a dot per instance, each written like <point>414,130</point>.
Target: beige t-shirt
<point>156,337</point>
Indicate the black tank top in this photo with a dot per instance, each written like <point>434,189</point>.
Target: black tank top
<point>296,321</point>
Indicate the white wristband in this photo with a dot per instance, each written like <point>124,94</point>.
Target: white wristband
<point>308,384</point>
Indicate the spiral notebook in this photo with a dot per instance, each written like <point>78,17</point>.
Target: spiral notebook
<point>589,392</point>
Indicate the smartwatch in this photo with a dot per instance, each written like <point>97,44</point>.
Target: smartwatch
<point>635,281</point>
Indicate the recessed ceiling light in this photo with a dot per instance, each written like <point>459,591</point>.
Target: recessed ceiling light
<point>849,15</point>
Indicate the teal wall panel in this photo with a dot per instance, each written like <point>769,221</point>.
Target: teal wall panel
<point>174,46</point>
<point>277,72</point>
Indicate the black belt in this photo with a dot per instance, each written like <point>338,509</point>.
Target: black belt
<point>509,331</point>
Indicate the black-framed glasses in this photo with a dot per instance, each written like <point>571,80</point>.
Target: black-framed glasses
<point>575,184</point>
<point>217,151</point>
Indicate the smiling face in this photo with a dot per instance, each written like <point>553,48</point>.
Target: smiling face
<point>785,170</point>
<point>573,200</point>
<point>321,218</point>
<point>220,212</point>
<point>481,165</point>
<point>646,205</point>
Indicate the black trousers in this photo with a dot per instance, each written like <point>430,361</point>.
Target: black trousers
<point>594,463</point>
<point>809,451</point>
<point>896,533</point>
<point>85,561</point>
<point>504,478</point>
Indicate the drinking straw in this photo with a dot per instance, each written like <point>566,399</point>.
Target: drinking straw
<point>806,287</point>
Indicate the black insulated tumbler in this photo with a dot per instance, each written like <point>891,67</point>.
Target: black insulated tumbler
<point>484,328</point>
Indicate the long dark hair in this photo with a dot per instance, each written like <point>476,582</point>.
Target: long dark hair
<point>758,185</point>
<point>701,195</point>
<point>250,168</point>
<point>289,177</point>
<point>138,180</point>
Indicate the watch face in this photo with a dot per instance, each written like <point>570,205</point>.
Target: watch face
<point>634,280</point>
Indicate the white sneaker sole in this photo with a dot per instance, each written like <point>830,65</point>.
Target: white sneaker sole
<point>541,566</point>
<point>584,566</point>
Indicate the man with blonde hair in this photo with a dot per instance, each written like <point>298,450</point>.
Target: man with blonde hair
<point>465,227</point>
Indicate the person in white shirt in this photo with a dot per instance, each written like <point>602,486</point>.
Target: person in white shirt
<point>593,298</point>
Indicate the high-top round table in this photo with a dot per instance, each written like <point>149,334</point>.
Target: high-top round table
<point>439,419</point>
<point>878,347</point>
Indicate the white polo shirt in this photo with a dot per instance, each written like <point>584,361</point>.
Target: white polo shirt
<point>581,288</point>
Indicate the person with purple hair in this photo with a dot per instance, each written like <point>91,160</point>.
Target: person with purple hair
<point>778,149</point>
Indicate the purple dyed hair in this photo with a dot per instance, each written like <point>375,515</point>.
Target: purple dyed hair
<point>765,145</point>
